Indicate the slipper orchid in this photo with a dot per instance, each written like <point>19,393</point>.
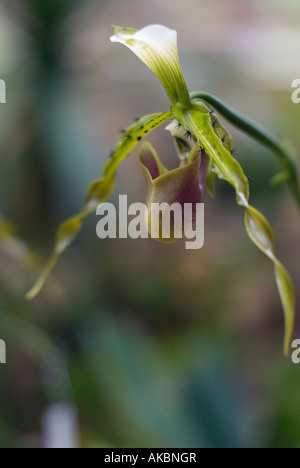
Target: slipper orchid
<point>205,150</point>
<point>174,197</point>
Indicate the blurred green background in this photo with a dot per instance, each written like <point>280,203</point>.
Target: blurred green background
<point>133,343</point>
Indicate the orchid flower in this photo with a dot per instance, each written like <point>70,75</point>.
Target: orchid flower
<point>205,154</point>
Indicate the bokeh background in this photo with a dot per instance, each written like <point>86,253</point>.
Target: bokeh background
<point>133,343</point>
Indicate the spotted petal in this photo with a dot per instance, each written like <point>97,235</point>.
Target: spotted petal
<point>98,192</point>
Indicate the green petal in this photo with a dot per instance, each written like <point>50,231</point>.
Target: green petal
<point>98,192</point>
<point>260,232</point>
<point>258,229</point>
<point>284,151</point>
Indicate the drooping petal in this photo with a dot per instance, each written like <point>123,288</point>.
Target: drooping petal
<point>98,192</point>
<point>258,228</point>
<point>156,46</point>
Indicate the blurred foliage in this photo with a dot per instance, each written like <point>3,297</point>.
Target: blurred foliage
<point>155,346</point>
